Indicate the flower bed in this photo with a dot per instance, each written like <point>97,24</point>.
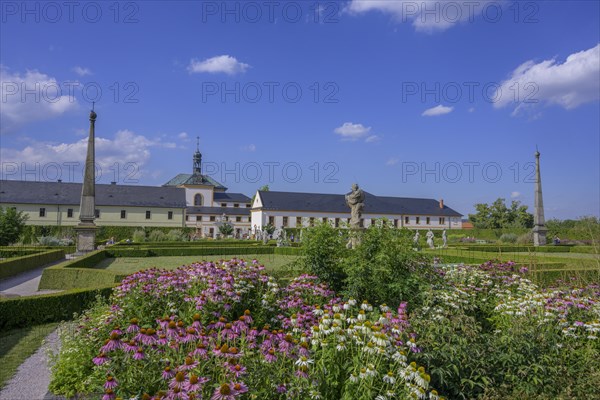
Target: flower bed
<point>226,330</point>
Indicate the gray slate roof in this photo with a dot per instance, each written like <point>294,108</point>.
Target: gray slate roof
<point>194,179</point>
<point>336,203</point>
<point>231,197</point>
<point>219,210</point>
<point>67,193</point>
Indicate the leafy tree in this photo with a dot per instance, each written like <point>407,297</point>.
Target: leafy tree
<point>226,228</point>
<point>497,215</point>
<point>264,188</point>
<point>12,224</point>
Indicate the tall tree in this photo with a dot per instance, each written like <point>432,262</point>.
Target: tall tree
<point>497,215</point>
<point>12,224</point>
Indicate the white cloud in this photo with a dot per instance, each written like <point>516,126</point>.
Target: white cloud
<point>350,131</point>
<point>373,139</point>
<point>82,71</point>
<point>220,64</point>
<point>392,161</point>
<point>472,109</point>
<point>183,136</point>
<point>437,110</point>
<point>30,97</point>
<point>426,15</point>
<point>570,84</point>
<point>514,195</point>
<point>250,148</point>
<point>125,147</point>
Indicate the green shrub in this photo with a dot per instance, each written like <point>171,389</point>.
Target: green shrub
<point>17,265</point>
<point>323,248</point>
<point>139,236</point>
<point>34,310</point>
<point>508,238</point>
<point>176,235</point>
<point>525,238</point>
<point>384,268</point>
<point>157,236</point>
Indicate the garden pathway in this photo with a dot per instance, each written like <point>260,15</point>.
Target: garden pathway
<point>33,376</point>
<point>26,283</point>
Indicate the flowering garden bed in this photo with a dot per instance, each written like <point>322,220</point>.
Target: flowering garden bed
<point>227,330</point>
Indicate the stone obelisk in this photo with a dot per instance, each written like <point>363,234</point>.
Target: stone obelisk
<point>86,229</point>
<point>539,222</point>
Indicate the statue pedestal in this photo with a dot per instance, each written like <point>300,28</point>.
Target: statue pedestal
<point>539,235</point>
<point>86,238</point>
<point>354,239</point>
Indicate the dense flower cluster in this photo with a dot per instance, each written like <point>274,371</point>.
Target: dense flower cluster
<point>226,330</point>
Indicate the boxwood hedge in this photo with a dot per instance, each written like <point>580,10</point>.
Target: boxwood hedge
<point>17,265</point>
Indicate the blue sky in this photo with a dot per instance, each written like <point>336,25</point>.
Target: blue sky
<point>416,99</point>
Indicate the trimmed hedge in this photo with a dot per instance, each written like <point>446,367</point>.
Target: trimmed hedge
<point>73,278</point>
<point>14,266</point>
<point>17,252</point>
<point>187,251</point>
<point>198,243</point>
<point>26,311</point>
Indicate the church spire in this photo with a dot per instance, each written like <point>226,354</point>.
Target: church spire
<point>197,159</point>
<point>539,222</point>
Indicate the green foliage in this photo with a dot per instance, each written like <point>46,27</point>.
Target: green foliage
<point>176,235</point>
<point>33,310</point>
<point>139,236</point>
<point>323,248</point>
<point>226,228</point>
<point>508,238</point>
<point>269,229</point>
<point>498,215</point>
<point>12,224</point>
<point>17,265</point>
<point>384,268</point>
<point>157,236</point>
<point>583,229</point>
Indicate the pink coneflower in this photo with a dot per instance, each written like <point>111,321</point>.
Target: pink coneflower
<point>270,355</point>
<point>133,327</point>
<point>113,343</point>
<point>188,364</point>
<point>200,350</point>
<point>110,383</point>
<point>195,383</point>
<point>224,392</point>
<point>109,394</point>
<point>239,387</point>
<point>139,354</point>
<point>178,381</point>
<point>100,359</point>
<point>168,373</point>
<point>237,370</point>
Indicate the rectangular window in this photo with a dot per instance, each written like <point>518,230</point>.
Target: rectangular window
<point>248,205</point>
<point>70,213</point>
<point>238,219</point>
<point>337,223</point>
<point>395,223</point>
<point>97,213</point>
<point>311,221</point>
<point>442,220</point>
<point>285,221</point>
<point>427,220</point>
<point>187,217</point>
<point>212,218</point>
<point>148,214</point>
<point>42,212</point>
<point>236,205</point>
<point>272,221</point>
<point>123,214</point>
<point>299,222</point>
<point>406,220</point>
<point>223,204</point>
<point>170,215</point>
<point>324,219</point>
<point>417,220</point>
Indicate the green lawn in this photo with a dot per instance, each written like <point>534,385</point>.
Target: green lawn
<point>18,344</point>
<point>129,265</point>
<point>576,260</point>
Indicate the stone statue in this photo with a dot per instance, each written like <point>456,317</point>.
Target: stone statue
<point>355,200</point>
<point>429,237</point>
<point>416,239</point>
<point>444,239</point>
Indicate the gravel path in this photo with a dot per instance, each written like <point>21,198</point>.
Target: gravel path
<point>26,283</point>
<point>33,376</point>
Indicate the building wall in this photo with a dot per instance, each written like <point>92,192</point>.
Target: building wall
<point>206,192</point>
<point>260,218</point>
<point>109,215</point>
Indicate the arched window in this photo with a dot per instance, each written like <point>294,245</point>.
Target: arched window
<point>198,199</point>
